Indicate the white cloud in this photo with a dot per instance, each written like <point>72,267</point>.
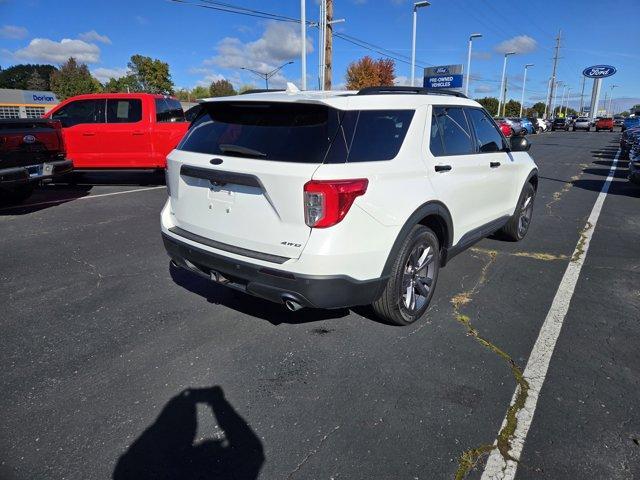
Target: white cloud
<point>13,32</point>
<point>104,74</point>
<point>519,44</point>
<point>402,80</point>
<point>480,55</point>
<point>43,49</point>
<point>279,43</point>
<point>484,89</point>
<point>93,36</point>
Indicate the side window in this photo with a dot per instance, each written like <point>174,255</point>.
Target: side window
<point>452,128</point>
<point>489,139</point>
<point>80,111</point>
<point>124,111</point>
<point>169,110</point>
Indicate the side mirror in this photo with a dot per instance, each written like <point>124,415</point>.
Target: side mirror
<point>519,144</point>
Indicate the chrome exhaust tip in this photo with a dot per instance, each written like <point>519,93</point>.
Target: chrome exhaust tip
<point>292,305</point>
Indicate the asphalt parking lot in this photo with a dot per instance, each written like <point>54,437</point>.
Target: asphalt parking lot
<point>117,366</point>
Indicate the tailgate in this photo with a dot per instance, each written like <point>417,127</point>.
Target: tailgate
<point>238,175</point>
<point>249,204</point>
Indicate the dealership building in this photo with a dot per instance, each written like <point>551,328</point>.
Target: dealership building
<point>25,103</point>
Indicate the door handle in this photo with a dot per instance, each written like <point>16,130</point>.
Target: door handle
<point>442,168</point>
<point>88,134</point>
<point>494,164</point>
<point>138,133</point>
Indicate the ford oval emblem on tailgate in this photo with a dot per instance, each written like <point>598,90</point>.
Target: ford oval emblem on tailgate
<point>215,161</point>
<point>29,139</point>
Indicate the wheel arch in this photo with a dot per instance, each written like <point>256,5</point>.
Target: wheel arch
<point>432,214</point>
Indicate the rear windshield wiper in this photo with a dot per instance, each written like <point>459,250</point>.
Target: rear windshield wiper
<point>228,148</point>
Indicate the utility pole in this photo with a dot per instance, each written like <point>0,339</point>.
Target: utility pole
<point>582,95</point>
<point>328,46</point>
<point>524,82</point>
<point>503,83</point>
<point>553,73</point>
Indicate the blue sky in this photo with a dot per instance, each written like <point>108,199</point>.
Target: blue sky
<point>201,44</point>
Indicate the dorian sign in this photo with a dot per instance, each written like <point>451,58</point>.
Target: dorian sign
<point>599,71</point>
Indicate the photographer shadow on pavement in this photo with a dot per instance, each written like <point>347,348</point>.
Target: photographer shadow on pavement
<point>169,449</point>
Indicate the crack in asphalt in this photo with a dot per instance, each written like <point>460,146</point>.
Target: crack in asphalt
<point>581,241</point>
<point>544,256</point>
<point>559,194</point>
<point>312,452</point>
<point>470,458</point>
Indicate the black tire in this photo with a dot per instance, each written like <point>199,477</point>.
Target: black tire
<point>518,225</point>
<point>392,305</point>
<point>17,193</point>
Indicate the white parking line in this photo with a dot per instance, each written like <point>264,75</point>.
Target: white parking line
<point>538,364</point>
<point>88,197</point>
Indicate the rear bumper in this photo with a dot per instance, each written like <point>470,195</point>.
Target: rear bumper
<point>33,174</point>
<point>316,291</point>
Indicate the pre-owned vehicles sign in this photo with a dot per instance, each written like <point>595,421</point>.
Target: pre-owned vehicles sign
<point>443,76</point>
<point>599,71</point>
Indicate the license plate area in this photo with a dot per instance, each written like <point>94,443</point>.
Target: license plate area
<point>35,170</point>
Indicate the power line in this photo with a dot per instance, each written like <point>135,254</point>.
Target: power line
<point>229,8</point>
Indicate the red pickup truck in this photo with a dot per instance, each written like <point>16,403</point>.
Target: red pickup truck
<point>120,130</point>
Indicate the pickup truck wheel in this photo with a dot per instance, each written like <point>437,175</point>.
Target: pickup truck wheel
<point>414,273</point>
<point>17,193</point>
<point>518,225</point>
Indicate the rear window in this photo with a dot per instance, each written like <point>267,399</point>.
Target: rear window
<point>169,110</point>
<point>300,133</point>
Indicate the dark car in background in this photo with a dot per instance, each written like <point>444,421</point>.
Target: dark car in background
<point>31,150</point>
<point>559,124</point>
<point>630,122</point>
<point>618,121</point>
<point>627,140</point>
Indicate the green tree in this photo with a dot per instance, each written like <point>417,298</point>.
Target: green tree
<point>246,88</point>
<point>537,108</point>
<point>73,78</point>
<point>490,104</point>
<point>635,109</point>
<point>36,82</point>
<point>221,88</point>
<point>19,76</point>
<point>512,108</point>
<point>199,92</point>
<point>152,75</point>
<point>125,84</point>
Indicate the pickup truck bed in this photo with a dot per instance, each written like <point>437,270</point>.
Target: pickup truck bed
<point>30,150</point>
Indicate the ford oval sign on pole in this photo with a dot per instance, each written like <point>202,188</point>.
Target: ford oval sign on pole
<point>597,72</point>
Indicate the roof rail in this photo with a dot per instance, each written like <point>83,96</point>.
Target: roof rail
<point>262,90</point>
<point>414,90</point>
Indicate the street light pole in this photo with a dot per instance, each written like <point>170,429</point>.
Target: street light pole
<point>416,6</point>
<point>611,98</point>
<point>303,39</point>
<point>524,82</point>
<point>566,105</point>
<point>504,71</point>
<point>471,37</point>
<point>266,75</point>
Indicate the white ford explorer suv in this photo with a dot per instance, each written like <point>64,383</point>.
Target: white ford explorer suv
<point>338,199</point>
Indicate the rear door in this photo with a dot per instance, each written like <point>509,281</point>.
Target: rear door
<point>459,176</point>
<point>241,169</point>
<point>126,136</point>
<point>81,120</point>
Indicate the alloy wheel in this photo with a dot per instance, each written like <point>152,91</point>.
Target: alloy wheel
<point>417,279</point>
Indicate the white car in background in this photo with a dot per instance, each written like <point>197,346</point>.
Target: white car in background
<point>582,123</point>
<point>337,199</point>
<point>542,125</point>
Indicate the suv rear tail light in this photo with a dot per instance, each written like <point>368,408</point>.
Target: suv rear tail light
<point>326,202</point>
